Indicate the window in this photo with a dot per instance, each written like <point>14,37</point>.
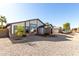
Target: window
<point>33,26</point>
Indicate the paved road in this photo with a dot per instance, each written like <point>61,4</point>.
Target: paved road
<point>65,45</point>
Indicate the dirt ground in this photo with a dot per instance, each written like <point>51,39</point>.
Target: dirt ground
<point>59,45</point>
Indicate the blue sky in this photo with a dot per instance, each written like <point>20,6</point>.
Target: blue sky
<point>56,14</point>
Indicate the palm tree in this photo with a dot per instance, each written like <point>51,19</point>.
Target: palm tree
<point>2,20</point>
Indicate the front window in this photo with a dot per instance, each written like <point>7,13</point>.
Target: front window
<point>33,27</point>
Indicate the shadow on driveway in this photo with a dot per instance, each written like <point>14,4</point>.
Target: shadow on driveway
<point>34,38</point>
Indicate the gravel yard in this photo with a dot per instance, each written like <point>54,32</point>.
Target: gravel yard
<point>61,45</point>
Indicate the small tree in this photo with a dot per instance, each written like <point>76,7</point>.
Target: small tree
<point>66,27</point>
<point>20,31</point>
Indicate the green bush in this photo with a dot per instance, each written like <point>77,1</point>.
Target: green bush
<point>20,31</point>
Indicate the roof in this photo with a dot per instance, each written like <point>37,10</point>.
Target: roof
<point>45,25</point>
<point>41,26</point>
<point>25,21</point>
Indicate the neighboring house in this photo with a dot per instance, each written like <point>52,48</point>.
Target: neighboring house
<point>78,30</point>
<point>29,25</point>
<point>75,30</point>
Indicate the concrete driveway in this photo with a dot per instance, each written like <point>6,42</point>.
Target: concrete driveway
<point>64,45</point>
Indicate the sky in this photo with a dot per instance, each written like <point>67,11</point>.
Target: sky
<point>55,13</point>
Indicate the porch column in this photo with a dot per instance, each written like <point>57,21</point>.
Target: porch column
<point>29,25</point>
<point>36,23</point>
<point>25,26</point>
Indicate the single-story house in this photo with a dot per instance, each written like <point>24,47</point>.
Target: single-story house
<point>29,26</point>
<point>78,30</point>
<point>75,30</point>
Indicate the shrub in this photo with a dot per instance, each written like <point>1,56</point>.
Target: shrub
<point>20,31</point>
